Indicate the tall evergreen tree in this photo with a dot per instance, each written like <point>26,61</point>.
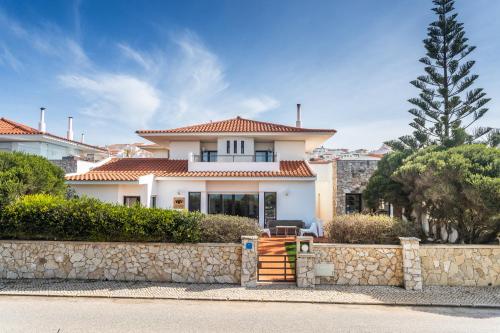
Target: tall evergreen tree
<point>447,105</point>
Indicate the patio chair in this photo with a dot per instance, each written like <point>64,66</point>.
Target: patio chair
<point>266,231</point>
<point>313,229</point>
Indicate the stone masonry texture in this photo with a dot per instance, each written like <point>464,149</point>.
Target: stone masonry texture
<point>191,263</point>
<point>305,270</point>
<point>352,177</point>
<point>460,265</point>
<point>249,261</point>
<point>412,271</point>
<point>361,264</point>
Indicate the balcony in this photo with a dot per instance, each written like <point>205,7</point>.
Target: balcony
<point>214,162</point>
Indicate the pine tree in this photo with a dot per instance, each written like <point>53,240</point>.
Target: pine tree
<point>447,105</point>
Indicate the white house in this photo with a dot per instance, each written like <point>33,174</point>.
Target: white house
<point>236,167</point>
<point>60,150</point>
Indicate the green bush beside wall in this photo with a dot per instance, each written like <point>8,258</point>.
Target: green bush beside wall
<point>46,217</point>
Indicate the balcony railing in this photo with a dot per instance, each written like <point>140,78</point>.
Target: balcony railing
<point>270,157</point>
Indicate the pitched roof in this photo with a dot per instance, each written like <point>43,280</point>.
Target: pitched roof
<point>9,127</point>
<point>237,124</point>
<point>130,169</point>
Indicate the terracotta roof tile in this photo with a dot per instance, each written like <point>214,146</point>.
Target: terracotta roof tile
<point>9,127</point>
<point>237,124</point>
<point>130,169</point>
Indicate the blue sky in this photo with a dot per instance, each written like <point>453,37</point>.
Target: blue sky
<point>118,66</point>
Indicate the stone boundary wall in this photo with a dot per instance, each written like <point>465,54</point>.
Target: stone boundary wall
<point>166,262</point>
<point>359,264</point>
<point>460,265</point>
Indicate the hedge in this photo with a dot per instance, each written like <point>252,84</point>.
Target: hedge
<point>368,229</point>
<point>46,217</point>
<point>227,229</point>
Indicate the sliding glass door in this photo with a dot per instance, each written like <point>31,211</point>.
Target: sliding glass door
<point>234,204</point>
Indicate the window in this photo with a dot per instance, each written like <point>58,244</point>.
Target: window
<point>269,207</point>
<point>228,147</point>
<point>242,148</point>
<point>235,146</point>
<point>234,204</point>
<point>263,156</point>
<point>130,201</point>
<point>194,201</point>
<point>353,203</point>
<point>153,201</point>
<point>209,156</point>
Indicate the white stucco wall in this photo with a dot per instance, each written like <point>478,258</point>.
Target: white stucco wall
<point>179,150</point>
<point>324,190</point>
<point>290,150</point>
<point>111,193</point>
<point>166,190</point>
<point>222,146</point>
<point>295,199</point>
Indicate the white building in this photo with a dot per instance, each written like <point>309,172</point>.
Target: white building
<point>235,167</point>
<point>60,150</point>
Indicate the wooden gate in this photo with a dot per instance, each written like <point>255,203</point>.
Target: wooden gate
<point>276,268</point>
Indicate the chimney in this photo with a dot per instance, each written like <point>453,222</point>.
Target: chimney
<point>82,140</point>
<point>41,124</point>
<point>69,134</point>
<point>298,123</point>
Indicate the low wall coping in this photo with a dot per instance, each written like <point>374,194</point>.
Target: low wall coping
<point>461,246</point>
<point>18,241</point>
<point>367,246</point>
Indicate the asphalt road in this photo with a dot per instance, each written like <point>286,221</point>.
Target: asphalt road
<point>49,314</point>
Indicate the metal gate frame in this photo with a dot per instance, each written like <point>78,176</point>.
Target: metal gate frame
<point>287,271</point>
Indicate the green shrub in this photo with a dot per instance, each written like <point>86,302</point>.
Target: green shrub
<point>55,218</point>
<point>368,229</point>
<point>22,174</point>
<point>227,229</point>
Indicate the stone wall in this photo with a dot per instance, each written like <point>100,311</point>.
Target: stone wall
<point>352,177</point>
<point>359,264</point>
<point>69,164</point>
<point>460,265</point>
<point>195,263</point>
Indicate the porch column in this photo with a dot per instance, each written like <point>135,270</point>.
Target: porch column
<point>261,209</point>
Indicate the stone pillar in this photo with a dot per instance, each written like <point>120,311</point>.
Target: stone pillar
<point>249,261</point>
<point>305,270</point>
<point>412,271</point>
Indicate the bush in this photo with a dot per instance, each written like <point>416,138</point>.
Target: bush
<point>22,174</point>
<point>227,229</point>
<point>459,188</point>
<point>368,229</point>
<point>55,218</point>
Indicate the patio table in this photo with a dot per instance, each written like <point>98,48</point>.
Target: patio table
<point>286,228</point>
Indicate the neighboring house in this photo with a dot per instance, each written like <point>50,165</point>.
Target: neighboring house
<point>236,167</point>
<point>343,178</point>
<point>71,155</point>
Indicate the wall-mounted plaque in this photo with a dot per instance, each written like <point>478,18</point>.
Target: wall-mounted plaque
<point>179,202</point>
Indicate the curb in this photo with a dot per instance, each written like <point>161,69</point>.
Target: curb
<point>222,299</point>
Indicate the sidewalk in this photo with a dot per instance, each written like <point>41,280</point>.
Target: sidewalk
<point>436,296</point>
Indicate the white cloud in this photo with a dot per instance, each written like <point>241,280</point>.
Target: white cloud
<point>8,59</point>
<point>135,56</point>
<point>196,88</point>
<point>119,98</point>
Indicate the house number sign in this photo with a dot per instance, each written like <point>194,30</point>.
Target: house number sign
<point>179,202</point>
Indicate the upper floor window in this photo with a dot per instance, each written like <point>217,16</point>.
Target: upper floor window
<point>228,147</point>
<point>235,147</point>
<point>242,148</point>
